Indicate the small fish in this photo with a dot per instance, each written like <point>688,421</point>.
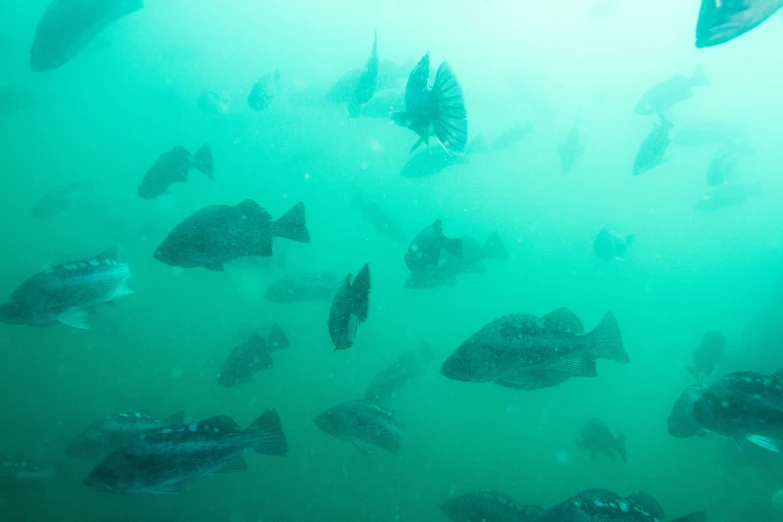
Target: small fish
<point>65,293</point>
<point>424,251</point>
<point>708,354</point>
<point>488,506</point>
<point>744,405</point>
<point>512,136</point>
<point>303,286</point>
<point>681,423</point>
<point>114,431</point>
<point>250,357</point>
<point>394,377</point>
<point>218,234</point>
<point>379,218</point>
<point>62,199</point>
<point>211,104</point>
<point>350,306</point>
<point>663,96</point>
<point>367,83</point>
<point>600,505</point>
<point>597,438</point>
<point>725,159</point>
<point>362,423</point>
<point>724,196</point>
<point>264,91</point>
<point>67,27</point>
<point>526,352</point>
<point>610,244</point>
<point>572,147</point>
<point>437,110</point>
<point>162,460</point>
<point>653,148</point>
<point>172,167</point>
<point>16,473</point>
<point>721,21</point>
<point>708,133</point>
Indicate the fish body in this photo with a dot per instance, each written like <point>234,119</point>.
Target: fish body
<point>218,234</point>
<point>571,148</point>
<point>162,460</point>
<point>62,199</point>
<point>600,505</point>
<point>653,148</point>
<point>264,91</point>
<point>526,352</point>
<point>681,423</point>
<point>362,423</point>
<point>664,95</point>
<point>65,292</point>
<point>394,377</point>
<point>512,136</point>
<point>610,244</point>
<point>303,286</point>
<point>173,167</point>
<point>596,437</point>
<point>722,21</point>
<point>724,196</point>
<point>381,219</point>
<point>708,354</point>
<point>488,506</point>
<point>251,357</point>
<point>344,90</point>
<point>725,159</point>
<point>350,306</point>
<point>424,251</point>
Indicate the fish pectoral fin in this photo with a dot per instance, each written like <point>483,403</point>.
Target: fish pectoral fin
<point>233,464</point>
<point>767,443</point>
<point>75,319</point>
<point>581,364</point>
<point>363,447</point>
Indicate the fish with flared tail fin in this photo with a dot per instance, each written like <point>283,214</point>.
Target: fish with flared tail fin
<point>653,148</point>
<point>251,357</point>
<point>437,110</point>
<point>596,437</point>
<point>367,83</point>
<point>173,167</point>
<point>350,306</point>
<point>722,21</point>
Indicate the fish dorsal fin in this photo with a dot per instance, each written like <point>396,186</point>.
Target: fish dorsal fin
<point>251,208</point>
<point>515,324</point>
<point>224,423</point>
<point>563,320</point>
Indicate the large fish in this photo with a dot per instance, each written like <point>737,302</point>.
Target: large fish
<point>303,286</point>
<point>162,460</point>
<point>68,26</point>
<point>218,234</point>
<point>173,167</point>
<point>250,357</point>
<point>350,306</point>
<point>600,505</point>
<point>394,377</point>
<point>65,293</point>
<point>664,95</point>
<point>653,148</point>
<point>362,423</point>
<point>596,438</point>
<point>488,506</point>
<point>721,21</point>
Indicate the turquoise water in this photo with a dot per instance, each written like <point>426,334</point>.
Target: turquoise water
<point>110,112</point>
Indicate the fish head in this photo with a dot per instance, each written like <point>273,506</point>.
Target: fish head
<point>724,406</point>
<point>13,313</point>
<point>471,362</point>
<point>723,20</point>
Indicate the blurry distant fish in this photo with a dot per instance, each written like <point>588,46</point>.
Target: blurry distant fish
<point>707,133</point>
<point>727,196</point>
<point>394,377</point>
<point>16,98</point>
<point>708,354</point>
<point>681,423</point>
<point>725,159</point>
<point>610,244</point>
<point>721,21</point>
<point>664,95</point>
<point>264,91</point>
<point>367,83</point>
<point>250,357</point>
<point>218,234</point>
<point>526,352</point>
<point>68,26</point>
<point>424,251</point>
<point>362,423</point>
<point>572,147</point>
<point>597,438</point>
<point>62,199</point>
<point>488,506</point>
<point>512,136</point>
<point>437,110</point>
<point>64,293</point>
<point>160,461</point>
<point>16,473</point>
<point>210,103</point>
<point>384,102</point>
<point>172,167</point>
<point>114,431</point>
<point>600,505</point>
<point>302,286</point>
<point>379,218</point>
<point>653,148</point>
<point>350,306</point>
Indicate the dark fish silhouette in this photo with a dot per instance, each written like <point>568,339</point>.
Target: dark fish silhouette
<point>367,83</point>
<point>708,354</point>
<point>68,26</point>
<point>379,218</point>
<point>424,251</point>
<point>303,286</point>
<point>681,423</point>
<point>173,167</point>
<point>350,306</point>
<point>62,199</point>
<point>721,21</point>
<point>488,506</point>
<point>725,195</point>
<point>394,377</point>
<point>572,147</point>
<point>264,91</point>
<point>610,244</point>
<point>250,357</point>
<point>653,148</point>
<point>596,437</point>
<point>600,505</point>
<point>725,159</point>
<point>218,234</point>
<point>364,424</point>
<point>664,95</point>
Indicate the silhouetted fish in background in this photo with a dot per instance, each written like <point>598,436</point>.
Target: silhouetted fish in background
<point>211,103</point>
<point>350,306</point>
<point>653,148</point>
<point>721,21</point>
<point>596,437</point>
<point>379,218</point>
<point>367,83</point>
<point>364,424</point>
<point>424,251</point>
<point>303,286</point>
<point>17,473</point>
<point>264,91</point>
<point>664,95</point>
<point>572,147</point>
<point>725,159</point>
<point>610,244</point>
<point>389,78</point>
<point>394,377</point>
<point>173,167</point>
<point>251,356</point>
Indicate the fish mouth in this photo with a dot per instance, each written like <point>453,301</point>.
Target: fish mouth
<point>452,373</point>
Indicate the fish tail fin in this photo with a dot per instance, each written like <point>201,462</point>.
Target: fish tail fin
<point>202,161</point>
<point>620,445</point>
<point>277,339</point>
<point>451,122</point>
<point>291,225</point>
<point>175,419</point>
<point>696,516</point>
<point>608,340</point>
<point>699,78</point>
<point>360,291</point>
<point>267,431</point>
<point>494,248</point>
<point>453,246</point>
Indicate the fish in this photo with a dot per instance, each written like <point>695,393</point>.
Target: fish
<point>218,234</point>
<point>512,136</point>
<point>708,133</point>
<point>367,82</point>
<point>721,21</point>
<point>393,378</point>
<point>665,95</point>
<point>488,506</point>
<point>264,91</point>
<point>601,505</point>
<point>725,159</point>
<point>653,148</point>
<point>744,405</point>
<point>344,90</point>
<point>162,460</point>
<point>60,200</point>
<point>526,352</point>
<point>610,244</point>
<point>250,357</point>
<point>430,161</point>
<point>211,104</point>
<point>17,473</point>
<point>727,195</point>
<point>572,147</point>
<point>381,219</point>
<point>383,103</point>
<point>424,251</point>
<point>65,293</point>
<point>596,437</point>
<point>303,286</point>
<point>708,354</point>
<point>68,26</point>
<point>172,167</point>
<point>680,422</point>
<point>350,306</point>
<point>364,424</point>
<point>114,431</point>
<point>437,110</point>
